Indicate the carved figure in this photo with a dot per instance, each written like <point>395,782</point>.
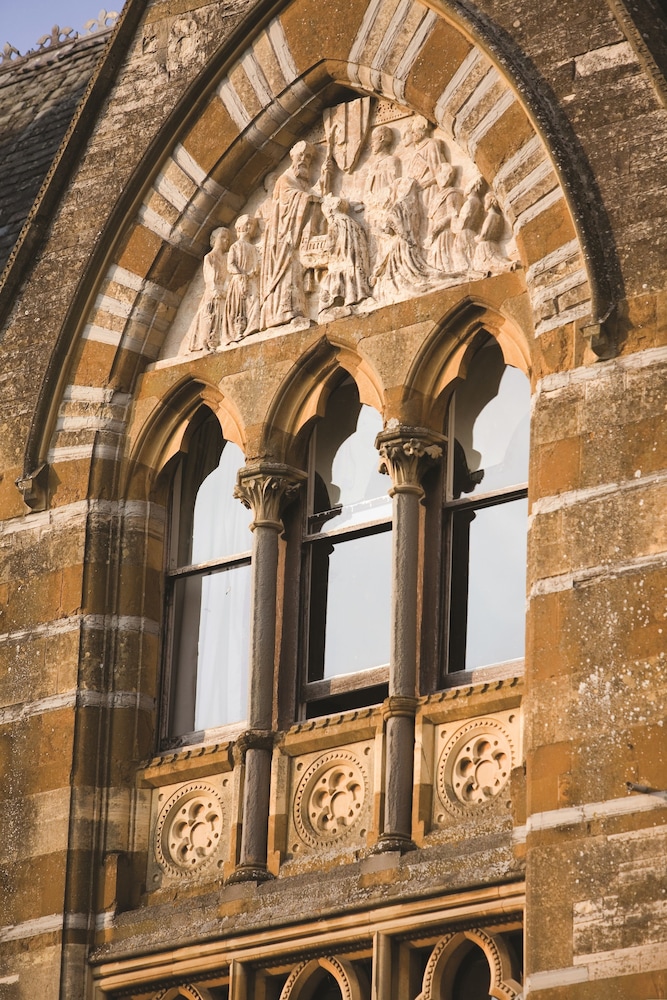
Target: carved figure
<point>427,157</point>
<point>445,209</point>
<point>468,226</point>
<point>489,254</point>
<point>282,277</point>
<point>401,268</point>
<point>382,174</point>
<point>208,321</point>
<point>345,282</point>
<point>241,315</point>
<point>264,211</point>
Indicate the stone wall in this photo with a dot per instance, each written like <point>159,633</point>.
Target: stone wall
<point>561,110</point>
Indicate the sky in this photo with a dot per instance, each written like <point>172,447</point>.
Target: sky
<point>22,22</point>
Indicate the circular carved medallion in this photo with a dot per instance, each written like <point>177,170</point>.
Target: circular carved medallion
<point>475,764</point>
<point>189,829</point>
<point>330,798</point>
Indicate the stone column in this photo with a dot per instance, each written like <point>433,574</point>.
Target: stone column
<point>404,455</point>
<point>265,489</point>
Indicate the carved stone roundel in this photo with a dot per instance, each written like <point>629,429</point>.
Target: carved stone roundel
<point>330,797</point>
<point>475,765</point>
<point>189,829</point>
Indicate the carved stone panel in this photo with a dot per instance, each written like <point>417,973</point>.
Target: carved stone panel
<point>331,805</point>
<point>189,831</point>
<point>373,206</point>
<point>473,763</point>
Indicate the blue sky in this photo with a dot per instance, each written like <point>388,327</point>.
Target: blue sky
<point>22,22</point>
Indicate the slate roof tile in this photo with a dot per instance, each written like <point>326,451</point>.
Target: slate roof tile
<point>39,95</point>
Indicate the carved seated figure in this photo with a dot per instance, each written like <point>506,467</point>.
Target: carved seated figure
<point>345,282</point>
<point>402,268</point>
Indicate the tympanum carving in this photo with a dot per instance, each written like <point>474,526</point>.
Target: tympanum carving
<point>374,206</point>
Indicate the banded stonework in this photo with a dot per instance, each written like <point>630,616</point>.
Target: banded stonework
<point>217,220</point>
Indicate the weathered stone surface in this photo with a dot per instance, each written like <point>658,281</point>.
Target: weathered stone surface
<point>560,109</point>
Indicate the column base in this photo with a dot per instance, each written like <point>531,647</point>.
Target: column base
<point>250,873</point>
<point>396,842</point>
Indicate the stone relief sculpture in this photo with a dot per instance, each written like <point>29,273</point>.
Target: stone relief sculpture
<point>382,175</point>
<point>489,254</point>
<point>402,267</point>
<point>208,321</point>
<point>428,155</point>
<point>468,226</point>
<point>282,279</point>
<point>373,207</point>
<point>241,314</point>
<point>446,204</point>
<point>346,279</point>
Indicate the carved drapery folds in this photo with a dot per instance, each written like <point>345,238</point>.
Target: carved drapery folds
<point>266,490</point>
<point>374,206</point>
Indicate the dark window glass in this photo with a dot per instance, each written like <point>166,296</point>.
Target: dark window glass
<point>472,980</point>
<point>486,513</point>
<point>209,580</point>
<point>347,549</point>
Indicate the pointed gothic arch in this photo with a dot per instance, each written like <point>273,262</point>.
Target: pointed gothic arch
<point>248,113</point>
<point>304,979</point>
<point>442,965</point>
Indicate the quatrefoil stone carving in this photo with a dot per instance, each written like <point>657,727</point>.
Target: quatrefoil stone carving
<point>475,765</point>
<point>189,829</point>
<point>330,798</point>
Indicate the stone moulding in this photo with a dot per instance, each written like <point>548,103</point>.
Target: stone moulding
<point>299,985</point>
<point>503,986</point>
<point>299,942</point>
<point>184,993</point>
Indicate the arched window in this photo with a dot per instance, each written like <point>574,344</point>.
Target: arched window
<point>485,511</point>
<point>208,582</point>
<point>472,979</point>
<point>347,559</point>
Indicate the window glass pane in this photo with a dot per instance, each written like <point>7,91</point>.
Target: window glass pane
<point>473,977</point>
<point>221,523</point>
<point>488,585</point>
<point>346,463</point>
<point>350,605</point>
<point>491,426</point>
<point>212,629</point>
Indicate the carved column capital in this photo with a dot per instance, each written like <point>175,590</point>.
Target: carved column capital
<point>399,706</point>
<point>266,489</point>
<point>405,453</point>
<point>253,739</point>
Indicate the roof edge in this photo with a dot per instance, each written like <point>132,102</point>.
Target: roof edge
<point>66,159</point>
